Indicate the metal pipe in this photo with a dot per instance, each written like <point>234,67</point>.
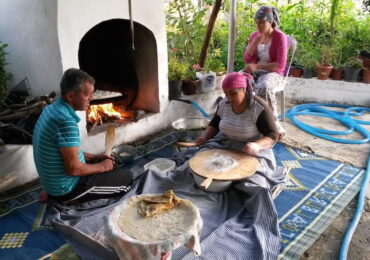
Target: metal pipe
<point>231,47</point>
<point>131,25</point>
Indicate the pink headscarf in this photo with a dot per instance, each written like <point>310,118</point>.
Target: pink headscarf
<point>237,80</point>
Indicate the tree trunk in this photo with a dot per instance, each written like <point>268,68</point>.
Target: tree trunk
<point>211,24</point>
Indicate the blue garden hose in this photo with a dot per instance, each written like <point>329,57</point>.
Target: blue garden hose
<point>356,218</point>
<point>345,118</point>
<point>197,107</point>
<point>316,109</point>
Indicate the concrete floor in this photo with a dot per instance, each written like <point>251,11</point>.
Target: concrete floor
<point>328,244</point>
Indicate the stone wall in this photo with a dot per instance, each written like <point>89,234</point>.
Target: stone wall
<point>328,91</point>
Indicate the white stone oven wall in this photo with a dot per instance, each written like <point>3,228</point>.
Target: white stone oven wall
<point>44,37</point>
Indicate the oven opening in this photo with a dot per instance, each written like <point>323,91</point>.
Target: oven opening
<point>125,71</point>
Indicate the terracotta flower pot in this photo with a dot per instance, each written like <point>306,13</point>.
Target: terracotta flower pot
<point>336,74</point>
<point>323,71</point>
<point>365,62</point>
<point>295,72</point>
<point>189,87</point>
<point>366,75</point>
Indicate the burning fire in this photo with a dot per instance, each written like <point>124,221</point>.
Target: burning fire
<point>107,112</point>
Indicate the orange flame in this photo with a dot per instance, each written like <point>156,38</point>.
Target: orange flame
<point>97,113</point>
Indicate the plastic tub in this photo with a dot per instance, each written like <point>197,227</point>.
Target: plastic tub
<point>160,165</point>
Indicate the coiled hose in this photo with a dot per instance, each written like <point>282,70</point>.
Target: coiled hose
<point>317,109</point>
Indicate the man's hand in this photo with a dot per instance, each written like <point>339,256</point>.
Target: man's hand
<point>74,167</point>
<point>107,165</point>
<point>252,148</point>
<point>102,157</point>
<point>95,158</point>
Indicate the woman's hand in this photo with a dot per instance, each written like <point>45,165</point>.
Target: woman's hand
<point>250,67</point>
<point>252,46</point>
<point>252,148</point>
<point>257,39</point>
<point>200,141</point>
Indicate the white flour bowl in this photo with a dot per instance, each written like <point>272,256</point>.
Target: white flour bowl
<point>160,165</point>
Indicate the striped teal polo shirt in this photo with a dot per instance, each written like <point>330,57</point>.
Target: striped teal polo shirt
<point>56,127</point>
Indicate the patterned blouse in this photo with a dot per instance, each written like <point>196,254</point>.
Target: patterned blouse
<point>255,122</point>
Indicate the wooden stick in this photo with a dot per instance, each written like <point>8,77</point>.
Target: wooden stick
<point>207,38</point>
<point>31,109</point>
<point>21,113</point>
<point>189,144</point>
<point>5,112</point>
<point>109,140</point>
<point>205,184</point>
<point>35,105</point>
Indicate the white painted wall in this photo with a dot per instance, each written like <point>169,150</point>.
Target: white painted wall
<point>30,29</point>
<point>44,36</point>
<point>75,20</point>
<point>328,91</point>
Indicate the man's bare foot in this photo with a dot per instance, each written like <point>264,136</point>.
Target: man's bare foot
<point>43,196</point>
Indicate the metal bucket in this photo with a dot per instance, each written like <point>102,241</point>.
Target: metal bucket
<point>190,128</point>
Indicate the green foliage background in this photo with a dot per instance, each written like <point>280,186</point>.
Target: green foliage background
<point>337,24</point>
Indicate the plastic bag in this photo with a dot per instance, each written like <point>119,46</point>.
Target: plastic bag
<point>207,81</point>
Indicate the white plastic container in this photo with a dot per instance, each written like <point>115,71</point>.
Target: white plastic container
<point>207,81</point>
<point>160,165</point>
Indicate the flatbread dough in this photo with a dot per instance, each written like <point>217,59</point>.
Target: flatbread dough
<point>223,164</point>
<point>167,224</point>
<point>155,205</point>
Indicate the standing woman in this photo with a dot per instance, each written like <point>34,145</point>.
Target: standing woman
<point>266,55</point>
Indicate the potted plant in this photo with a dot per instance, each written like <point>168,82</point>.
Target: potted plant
<point>176,72</point>
<point>365,58</point>
<point>338,67</point>
<point>324,68</point>
<point>366,74</point>
<point>308,60</point>
<point>190,82</point>
<point>352,69</point>
<point>296,71</point>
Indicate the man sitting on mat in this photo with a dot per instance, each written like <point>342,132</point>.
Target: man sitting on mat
<point>67,174</point>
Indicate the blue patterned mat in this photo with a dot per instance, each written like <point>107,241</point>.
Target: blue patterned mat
<point>317,192</point>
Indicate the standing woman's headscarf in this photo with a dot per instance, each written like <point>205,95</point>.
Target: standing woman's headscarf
<point>268,13</point>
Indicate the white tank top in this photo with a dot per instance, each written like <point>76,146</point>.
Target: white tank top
<point>263,52</point>
<point>239,126</point>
